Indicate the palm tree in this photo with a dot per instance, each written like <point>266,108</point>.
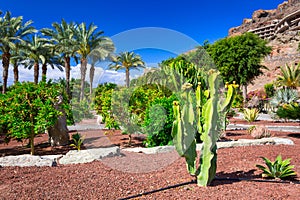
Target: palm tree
<point>290,76</point>
<point>52,59</point>
<point>12,31</point>
<point>104,50</point>
<point>88,39</point>
<point>34,48</point>
<point>62,37</point>
<point>127,61</point>
<point>16,58</point>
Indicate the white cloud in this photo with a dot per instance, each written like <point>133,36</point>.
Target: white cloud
<point>101,75</point>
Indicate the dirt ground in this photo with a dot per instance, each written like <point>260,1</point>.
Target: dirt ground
<point>156,176</point>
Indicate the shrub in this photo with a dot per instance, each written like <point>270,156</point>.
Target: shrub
<point>250,115</point>
<point>283,96</point>
<point>269,89</point>
<point>238,100</point>
<point>278,169</point>
<point>80,110</point>
<point>289,111</point>
<point>29,109</point>
<point>78,141</point>
<point>158,121</point>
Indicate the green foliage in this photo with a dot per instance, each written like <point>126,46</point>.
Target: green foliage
<point>290,76</point>
<point>77,141</point>
<point>81,110</point>
<point>158,121</point>
<point>102,102</point>
<point>206,120</point>
<point>269,89</point>
<point>278,169</point>
<point>238,58</point>
<point>289,111</point>
<point>238,100</point>
<point>284,96</point>
<point>251,114</point>
<point>29,109</point>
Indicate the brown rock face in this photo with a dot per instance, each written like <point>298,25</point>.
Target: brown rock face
<point>281,27</point>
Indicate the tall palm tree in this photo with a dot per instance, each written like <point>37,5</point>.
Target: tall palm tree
<point>290,76</point>
<point>52,59</point>
<point>12,31</point>
<point>62,37</point>
<point>127,61</point>
<point>16,58</point>
<point>88,39</point>
<point>101,52</point>
<point>34,48</point>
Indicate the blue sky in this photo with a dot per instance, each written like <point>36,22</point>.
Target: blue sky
<point>197,20</point>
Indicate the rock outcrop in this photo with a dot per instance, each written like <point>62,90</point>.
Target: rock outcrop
<point>281,28</point>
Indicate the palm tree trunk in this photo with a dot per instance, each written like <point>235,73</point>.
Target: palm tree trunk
<point>82,73</point>
<point>5,64</point>
<point>16,73</point>
<point>67,70</point>
<point>44,72</point>
<point>127,77</point>
<point>92,72</point>
<point>36,73</point>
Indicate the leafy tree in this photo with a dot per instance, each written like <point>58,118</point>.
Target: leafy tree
<point>12,31</point>
<point>127,61</point>
<point>290,76</point>
<point>28,109</point>
<point>239,58</point>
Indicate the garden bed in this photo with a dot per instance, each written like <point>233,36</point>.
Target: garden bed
<point>155,176</point>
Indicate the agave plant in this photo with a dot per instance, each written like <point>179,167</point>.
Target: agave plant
<point>250,115</point>
<point>284,95</point>
<point>290,76</point>
<point>278,169</point>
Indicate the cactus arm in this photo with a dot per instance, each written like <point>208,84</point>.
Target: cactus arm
<point>229,97</point>
<point>208,157</point>
<point>183,133</point>
<point>199,107</point>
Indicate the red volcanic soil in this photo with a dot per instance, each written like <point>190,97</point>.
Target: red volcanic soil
<point>155,176</point>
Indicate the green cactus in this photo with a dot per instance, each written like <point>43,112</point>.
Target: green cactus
<point>186,120</point>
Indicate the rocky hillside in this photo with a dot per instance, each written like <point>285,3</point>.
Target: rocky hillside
<point>281,27</point>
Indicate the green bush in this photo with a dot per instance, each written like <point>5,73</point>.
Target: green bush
<point>277,169</point>
<point>29,109</point>
<point>81,110</point>
<point>289,111</point>
<point>269,90</point>
<point>238,101</point>
<point>158,122</point>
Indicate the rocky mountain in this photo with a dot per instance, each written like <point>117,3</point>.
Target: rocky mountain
<point>281,27</point>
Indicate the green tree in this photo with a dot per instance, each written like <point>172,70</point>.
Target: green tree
<point>239,58</point>
<point>29,109</point>
<point>12,31</point>
<point>87,39</point>
<point>290,76</point>
<point>62,37</point>
<point>127,61</point>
